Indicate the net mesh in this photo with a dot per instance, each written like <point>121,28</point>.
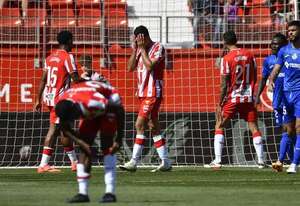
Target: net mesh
<point>192,36</point>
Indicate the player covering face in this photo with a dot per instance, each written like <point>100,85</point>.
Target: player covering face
<point>99,109</point>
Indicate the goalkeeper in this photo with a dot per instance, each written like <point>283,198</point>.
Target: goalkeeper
<point>281,114</point>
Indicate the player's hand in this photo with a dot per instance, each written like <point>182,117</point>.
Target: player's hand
<point>114,148</point>
<point>140,40</point>
<point>133,42</point>
<point>37,106</point>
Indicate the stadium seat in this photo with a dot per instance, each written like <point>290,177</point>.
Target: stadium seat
<point>88,3</point>
<point>115,4</point>
<point>89,17</point>
<point>10,17</point>
<point>60,3</point>
<point>115,12</point>
<point>35,17</point>
<point>62,17</point>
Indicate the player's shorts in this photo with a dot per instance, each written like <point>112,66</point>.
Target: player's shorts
<point>53,118</point>
<point>293,102</point>
<point>247,111</point>
<point>283,116</point>
<point>106,125</point>
<point>149,107</point>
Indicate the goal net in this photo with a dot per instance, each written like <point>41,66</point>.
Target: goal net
<point>192,37</point>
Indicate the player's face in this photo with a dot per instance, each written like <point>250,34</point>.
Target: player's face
<point>293,33</point>
<point>275,45</point>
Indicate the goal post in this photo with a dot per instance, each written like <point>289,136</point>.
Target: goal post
<point>191,86</point>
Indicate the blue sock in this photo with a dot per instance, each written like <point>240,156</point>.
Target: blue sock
<point>291,147</point>
<point>297,151</point>
<point>284,145</point>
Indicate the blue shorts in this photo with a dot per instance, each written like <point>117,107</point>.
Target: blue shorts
<point>283,116</point>
<point>293,102</point>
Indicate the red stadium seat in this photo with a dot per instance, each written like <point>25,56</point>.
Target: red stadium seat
<point>62,18</point>
<point>88,3</point>
<point>35,17</point>
<point>89,17</point>
<point>10,17</point>
<point>60,3</point>
<point>115,3</point>
<point>115,12</point>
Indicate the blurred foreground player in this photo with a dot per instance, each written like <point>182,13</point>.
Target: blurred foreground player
<point>99,108</point>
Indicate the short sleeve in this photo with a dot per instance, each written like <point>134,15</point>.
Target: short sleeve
<point>280,57</point>
<point>70,64</point>
<point>266,70</point>
<point>225,70</point>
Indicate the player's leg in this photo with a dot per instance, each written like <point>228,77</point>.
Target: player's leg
<point>160,145</point>
<point>249,113</point>
<point>158,139</point>
<point>87,131</point>
<point>70,151</point>
<point>293,167</point>
<point>53,133</point>
<point>284,118</point>
<point>222,119</point>
<point>140,126</point>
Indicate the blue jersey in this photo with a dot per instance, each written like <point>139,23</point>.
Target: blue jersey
<point>268,66</point>
<point>289,57</point>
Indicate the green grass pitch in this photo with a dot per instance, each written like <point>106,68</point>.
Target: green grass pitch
<point>182,186</point>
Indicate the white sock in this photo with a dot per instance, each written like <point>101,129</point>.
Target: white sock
<point>72,155</point>
<point>218,146</point>
<point>257,142</point>
<point>161,147</point>
<point>46,157</point>
<point>82,179</point>
<point>110,173</point>
<point>138,148</point>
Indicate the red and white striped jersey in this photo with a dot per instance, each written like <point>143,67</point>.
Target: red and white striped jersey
<point>240,65</point>
<point>59,65</point>
<point>150,83</point>
<point>92,96</point>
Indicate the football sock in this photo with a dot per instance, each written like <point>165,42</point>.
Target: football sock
<point>71,153</point>
<point>138,147</point>
<point>47,153</point>
<point>82,179</point>
<point>161,148</point>
<point>257,142</point>
<point>297,151</point>
<point>218,145</point>
<point>284,144</point>
<point>110,173</point>
<point>291,148</point>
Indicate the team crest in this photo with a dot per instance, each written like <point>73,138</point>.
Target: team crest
<point>294,56</point>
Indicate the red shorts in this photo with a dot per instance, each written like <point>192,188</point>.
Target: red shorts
<point>53,118</point>
<point>107,125</point>
<point>149,107</point>
<point>247,111</point>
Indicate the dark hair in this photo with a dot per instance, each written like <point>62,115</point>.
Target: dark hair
<point>294,23</point>
<point>85,60</point>
<point>67,110</point>
<point>141,30</point>
<point>230,38</point>
<point>64,37</point>
<point>282,38</point>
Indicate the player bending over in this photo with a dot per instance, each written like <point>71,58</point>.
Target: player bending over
<point>282,117</point>
<point>238,78</point>
<point>59,69</point>
<point>289,57</point>
<point>99,108</point>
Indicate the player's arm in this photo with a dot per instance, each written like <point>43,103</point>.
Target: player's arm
<point>131,64</point>
<point>225,80</point>
<point>38,99</point>
<point>262,82</point>
<point>273,76</point>
<point>67,131</point>
<point>72,70</point>
<point>149,63</point>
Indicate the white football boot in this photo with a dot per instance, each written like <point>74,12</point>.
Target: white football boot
<point>213,165</point>
<point>292,169</point>
<point>129,166</point>
<point>163,167</point>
